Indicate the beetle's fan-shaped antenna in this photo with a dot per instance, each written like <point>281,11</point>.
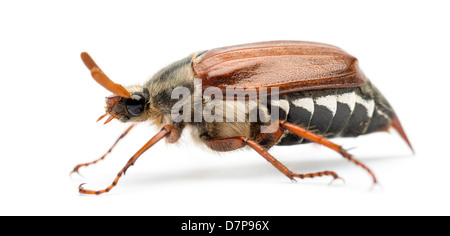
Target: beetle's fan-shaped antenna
<point>102,79</point>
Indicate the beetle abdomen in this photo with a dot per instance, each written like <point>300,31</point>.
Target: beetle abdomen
<point>343,112</point>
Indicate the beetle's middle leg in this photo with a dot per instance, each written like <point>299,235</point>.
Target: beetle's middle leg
<point>321,140</point>
<point>281,167</point>
<point>228,144</point>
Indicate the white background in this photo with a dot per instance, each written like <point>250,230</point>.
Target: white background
<point>49,104</point>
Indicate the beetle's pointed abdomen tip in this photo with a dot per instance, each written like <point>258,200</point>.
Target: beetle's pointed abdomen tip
<point>395,123</point>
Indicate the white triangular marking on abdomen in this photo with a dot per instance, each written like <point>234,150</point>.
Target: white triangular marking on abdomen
<point>330,102</point>
<point>349,99</point>
<point>305,103</point>
<point>368,104</point>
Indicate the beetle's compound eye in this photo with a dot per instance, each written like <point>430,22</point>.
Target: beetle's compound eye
<point>135,104</point>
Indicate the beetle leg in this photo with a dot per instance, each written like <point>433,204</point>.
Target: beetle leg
<point>321,140</point>
<point>291,175</point>
<point>229,144</point>
<point>75,170</point>
<point>165,131</point>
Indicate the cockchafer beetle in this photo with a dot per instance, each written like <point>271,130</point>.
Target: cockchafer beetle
<point>317,92</point>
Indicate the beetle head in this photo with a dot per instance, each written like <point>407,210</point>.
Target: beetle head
<point>132,109</point>
<point>127,105</point>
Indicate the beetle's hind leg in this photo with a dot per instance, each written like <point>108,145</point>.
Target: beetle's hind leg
<point>75,170</point>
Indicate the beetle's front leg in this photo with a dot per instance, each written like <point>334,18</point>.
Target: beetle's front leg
<point>75,170</point>
<point>165,131</point>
